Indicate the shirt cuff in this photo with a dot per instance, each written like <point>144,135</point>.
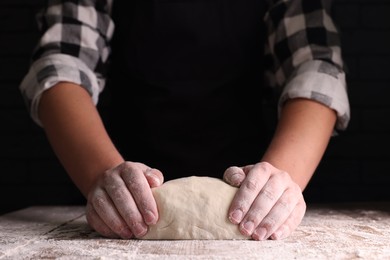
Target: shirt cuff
<point>322,82</point>
<point>47,71</point>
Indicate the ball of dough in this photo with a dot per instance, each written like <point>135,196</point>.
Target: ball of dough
<point>194,208</point>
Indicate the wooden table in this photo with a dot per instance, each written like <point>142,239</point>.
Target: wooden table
<point>327,232</point>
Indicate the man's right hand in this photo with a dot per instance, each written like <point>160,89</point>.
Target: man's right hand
<point>121,203</point>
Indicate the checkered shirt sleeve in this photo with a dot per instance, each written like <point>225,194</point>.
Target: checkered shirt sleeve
<point>302,50</point>
<point>304,56</point>
<point>74,47</point>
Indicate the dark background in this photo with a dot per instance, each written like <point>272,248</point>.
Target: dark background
<point>355,167</point>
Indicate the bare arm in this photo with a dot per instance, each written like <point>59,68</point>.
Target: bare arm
<point>301,138</point>
<point>269,202</point>
<point>307,68</point>
<point>77,135</point>
<point>119,199</point>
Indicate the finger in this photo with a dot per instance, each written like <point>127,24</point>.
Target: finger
<point>98,224</point>
<point>124,203</point>
<point>154,177</point>
<point>264,204</point>
<point>250,187</point>
<point>291,223</point>
<point>137,184</point>
<point>108,214</point>
<point>234,176</point>
<point>248,168</point>
<point>278,214</point>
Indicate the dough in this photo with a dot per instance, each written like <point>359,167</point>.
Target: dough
<point>194,208</point>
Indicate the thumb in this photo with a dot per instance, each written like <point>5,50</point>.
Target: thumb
<point>154,177</point>
<point>234,176</point>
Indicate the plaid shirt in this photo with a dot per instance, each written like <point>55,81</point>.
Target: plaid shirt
<point>302,52</point>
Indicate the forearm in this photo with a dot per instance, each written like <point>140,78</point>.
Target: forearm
<point>77,134</point>
<point>301,137</point>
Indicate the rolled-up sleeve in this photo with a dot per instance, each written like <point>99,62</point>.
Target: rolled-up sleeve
<point>73,47</point>
<point>303,47</point>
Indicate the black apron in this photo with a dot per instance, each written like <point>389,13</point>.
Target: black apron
<point>185,84</point>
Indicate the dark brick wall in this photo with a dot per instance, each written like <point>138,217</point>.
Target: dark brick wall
<point>355,167</point>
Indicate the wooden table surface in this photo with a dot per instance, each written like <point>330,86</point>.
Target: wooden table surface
<point>327,232</point>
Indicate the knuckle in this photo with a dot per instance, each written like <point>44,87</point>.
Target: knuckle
<point>284,175</point>
<point>135,189</point>
<point>130,218</point>
<point>106,178</point>
<point>285,204</point>
<point>119,195</point>
<point>116,227</point>
<point>126,169</point>
<point>265,166</point>
<point>114,224</point>
<point>127,165</point>
<point>130,176</point>
<point>254,215</point>
<point>303,205</point>
<point>251,185</point>
<point>133,223</point>
<point>269,194</point>
<point>296,189</point>
<point>295,192</point>
<point>268,223</point>
<point>98,202</point>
